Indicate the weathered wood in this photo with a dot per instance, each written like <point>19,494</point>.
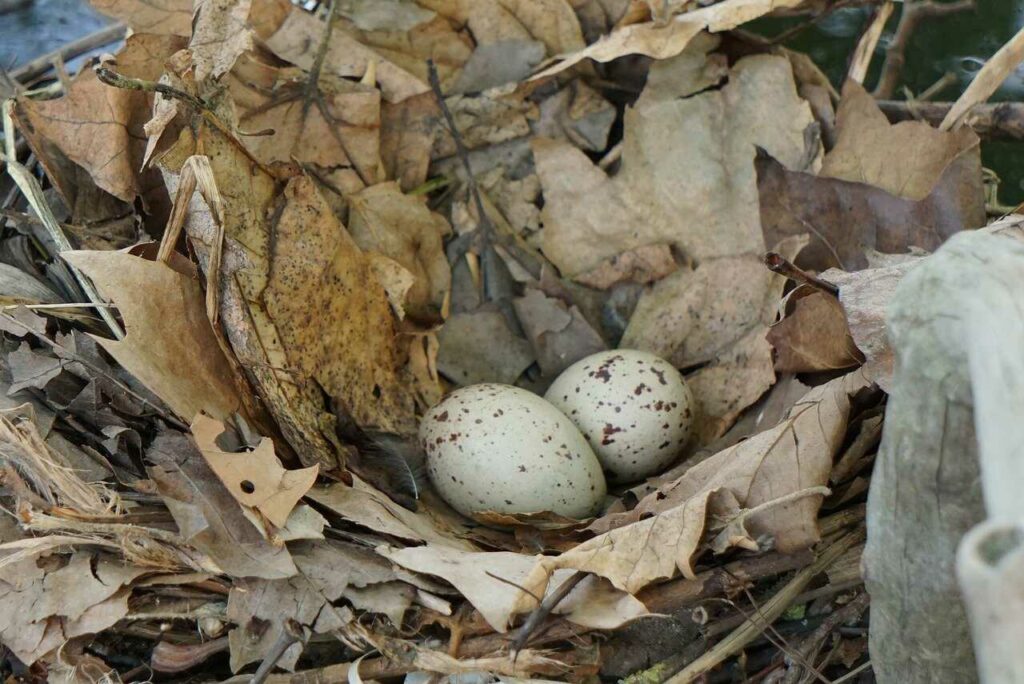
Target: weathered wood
<point>926,488</point>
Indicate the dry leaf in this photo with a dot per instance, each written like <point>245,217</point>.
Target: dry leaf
<point>150,16</point>
<point>480,347</point>
<point>552,22</point>
<point>343,133</point>
<point>256,479</point>
<point>559,334</point>
<point>643,265</point>
<point>384,219</point>
<point>666,40</point>
<point>364,505</point>
<point>220,33</point>
<point>814,336</point>
<point>299,302</point>
<point>40,611</point>
<point>407,131</point>
<point>687,175</point>
<point>298,36</point>
<point>170,346</point>
<point>906,159</point>
<point>207,516</point>
<point>98,127</point>
<point>490,581</point>
<point>780,473</point>
<point>847,219</point>
<point>865,297</point>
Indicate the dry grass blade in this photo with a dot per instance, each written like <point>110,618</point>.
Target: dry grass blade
<point>868,42</point>
<point>987,80</point>
<point>29,187</point>
<point>48,473</point>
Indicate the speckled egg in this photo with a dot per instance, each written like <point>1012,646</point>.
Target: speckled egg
<point>494,447</point>
<point>633,407</point>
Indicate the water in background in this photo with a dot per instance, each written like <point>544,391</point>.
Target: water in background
<point>959,44</point>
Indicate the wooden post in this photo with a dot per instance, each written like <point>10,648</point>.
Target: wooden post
<point>926,489</point>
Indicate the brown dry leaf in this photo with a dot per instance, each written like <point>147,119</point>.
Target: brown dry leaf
<point>814,336</point>
<point>255,479</point>
<point>906,159</point>
<point>559,334</point>
<point>772,482</point>
<point>208,517</point>
<point>865,297</point>
<point>666,40</point>
<point>552,22</point>
<point>643,265</point>
<point>366,506</point>
<point>150,16</point>
<point>687,175</point>
<point>299,301</point>
<point>407,131</point>
<point>847,219</point>
<point>490,581</point>
<point>383,219</point>
<point>480,347</point>
<point>296,40</point>
<point>220,33</point>
<point>98,127</point>
<point>170,345</point>
<point>344,133</point>
<point>327,572</point>
<point>40,610</point>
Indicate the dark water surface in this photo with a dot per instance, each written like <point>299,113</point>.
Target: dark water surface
<point>959,44</point>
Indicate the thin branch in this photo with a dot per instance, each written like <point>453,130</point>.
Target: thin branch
<point>111,78</point>
<point>779,264</point>
<point>522,635</point>
<point>895,57</point>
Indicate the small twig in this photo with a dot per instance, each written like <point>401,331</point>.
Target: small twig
<point>868,42</point>
<point>460,149</point>
<point>290,634</point>
<point>779,264</point>
<point>812,643</point>
<point>895,57</point>
<point>522,635</point>
<point>948,79</point>
<point>513,584</point>
<point>313,84</point>
<point>852,673</point>
<point>111,78</point>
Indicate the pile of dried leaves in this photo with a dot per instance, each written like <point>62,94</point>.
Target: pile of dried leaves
<point>261,252</point>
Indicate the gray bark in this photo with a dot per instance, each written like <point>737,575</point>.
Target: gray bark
<point>926,489</point>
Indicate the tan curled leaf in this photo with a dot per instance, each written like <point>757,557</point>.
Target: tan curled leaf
<point>777,464</point>
<point>489,581</point>
<point>665,40</point>
<point>344,132</point>
<point>256,478</point>
<point>150,16</point>
<point>906,159</point>
<point>383,219</point>
<point>170,346</point>
<point>814,336</point>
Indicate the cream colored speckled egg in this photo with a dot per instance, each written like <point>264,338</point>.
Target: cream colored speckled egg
<point>494,447</point>
<point>633,407</point>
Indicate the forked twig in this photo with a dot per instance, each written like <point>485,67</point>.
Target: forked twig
<point>522,635</point>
